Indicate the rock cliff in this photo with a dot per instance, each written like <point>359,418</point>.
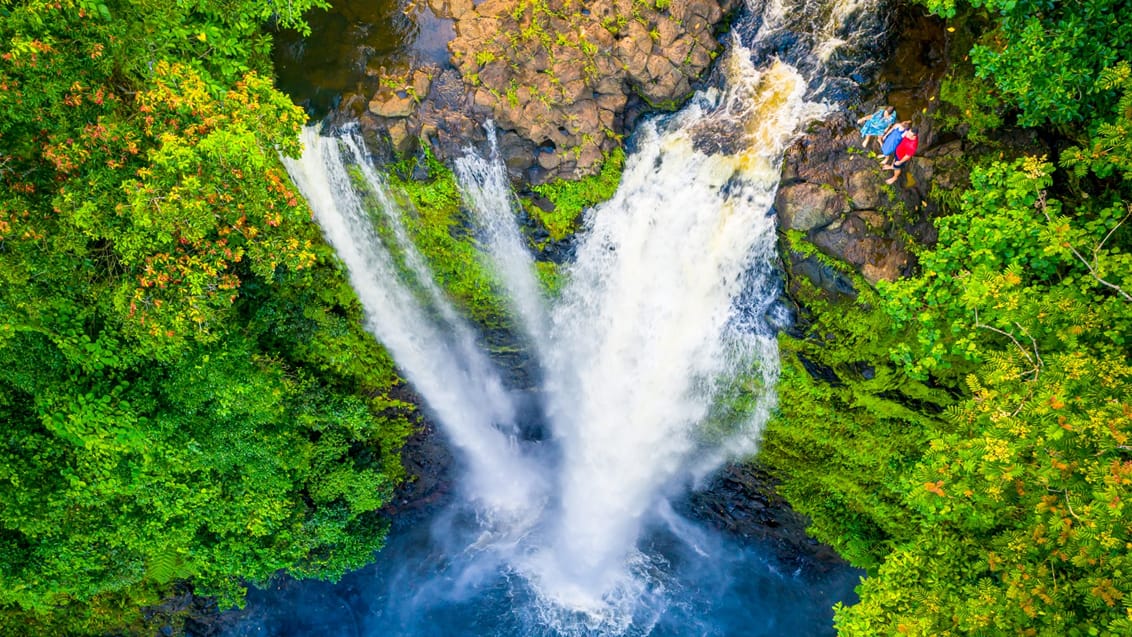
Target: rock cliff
<point>562,80</point>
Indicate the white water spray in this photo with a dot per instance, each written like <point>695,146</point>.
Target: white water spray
<point>484,185</point>
<point>650,331</point>
<point>658,334</point>
<point>432,346</point>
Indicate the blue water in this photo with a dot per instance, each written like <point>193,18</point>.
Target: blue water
<point>429,581</point>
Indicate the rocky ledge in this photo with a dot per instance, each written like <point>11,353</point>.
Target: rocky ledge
<point>562,80</point>
<point>833,190</point>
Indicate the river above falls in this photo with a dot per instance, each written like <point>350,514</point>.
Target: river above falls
<point>353,44</point>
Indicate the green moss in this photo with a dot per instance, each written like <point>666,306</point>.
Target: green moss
<point>570,198</point>
<point>550,277</point>
<point>438,226</point>
<point>797,242</point>
<point>849,423</point>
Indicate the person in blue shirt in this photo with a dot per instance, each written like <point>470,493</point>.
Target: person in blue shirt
<point>877,124</point>
<point>891,139</point>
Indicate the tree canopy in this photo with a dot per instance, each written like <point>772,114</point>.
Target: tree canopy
<point>185,385</point>
<point>980,470</point>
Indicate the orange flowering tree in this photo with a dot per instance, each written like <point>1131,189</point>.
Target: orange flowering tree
<point>186,391</point>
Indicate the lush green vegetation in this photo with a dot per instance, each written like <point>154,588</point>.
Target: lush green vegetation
<point>964,435</point>
<point>187,393</point>
<point>185,388</point>
<point>572,198</point>
<point>440,228</point>
<point>569,201</point>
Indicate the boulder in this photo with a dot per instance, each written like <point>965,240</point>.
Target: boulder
<point>806,206</point>
<point>494,8</point>
<point>876,255</point>
<point>864,189</point>
<point>458,9</point>
<point>573,88</point>
<point>400,138</point>
<point>665,82</point>
<point>550,160</point>
<point>422,80</point>
<point>668,31</point>
<point>390,103</point>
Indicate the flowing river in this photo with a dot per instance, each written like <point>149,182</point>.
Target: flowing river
<point>667,319</point>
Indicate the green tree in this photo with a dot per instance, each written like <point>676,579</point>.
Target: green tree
<point>186,388</point>
<point>1020,521</point>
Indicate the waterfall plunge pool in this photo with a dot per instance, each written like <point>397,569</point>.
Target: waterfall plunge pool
<point>667,302</point>
<point>427,582</point>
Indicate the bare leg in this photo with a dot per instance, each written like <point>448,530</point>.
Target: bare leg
<point>894,177</point>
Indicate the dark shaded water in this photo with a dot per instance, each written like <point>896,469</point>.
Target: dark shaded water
<point>351,43</point>
<point>431,581</point>
<point>453,571</point>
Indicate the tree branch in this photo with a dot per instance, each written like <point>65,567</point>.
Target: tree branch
<point>1041,204</point>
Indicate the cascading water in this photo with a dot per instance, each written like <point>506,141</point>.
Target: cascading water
<point>661,329</point>
<point>648,331</point>
<point>434,348</point>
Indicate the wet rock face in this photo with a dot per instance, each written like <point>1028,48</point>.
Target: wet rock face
<point>561,77</point>
<point>741,500</point>
<point>833,188</point>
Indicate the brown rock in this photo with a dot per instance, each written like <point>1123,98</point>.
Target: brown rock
<point>678,51</point>
<point>611,84</point>
<point>678,9</point>
<point>535,112</point>
<point>636,44</point>
<point>665,82</point>
<point>549,161</point>
<point>864,188</point>
<point>471,29</point>
<point>457,9</point>
<point>699,57</point>
<point>497,8</point>
<point>537,60</point>
<point>422,79</point>
<point>874,220</point>
<point>575,90</point>
<point>807,206</point>
<point>584,115</point>
<point>598,35</point>
<point>388,103</point>
<point>669,31</point>
<point>496,75</point>
<point>589,157</point>
<point>484,98</point>
<point>706,9</point>
<point>401,139</point>
<point>612,102</point>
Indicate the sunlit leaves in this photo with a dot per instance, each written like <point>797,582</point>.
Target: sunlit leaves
<point>184,383</point>
<point>1021,508</point>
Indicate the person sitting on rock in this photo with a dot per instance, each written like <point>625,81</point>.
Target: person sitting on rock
<point>891,139</point>
<point>876,124</point>
<point>904,151</point>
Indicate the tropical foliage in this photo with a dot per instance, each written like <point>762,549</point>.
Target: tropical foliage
<point>185,388</point>
<point>964,435</point>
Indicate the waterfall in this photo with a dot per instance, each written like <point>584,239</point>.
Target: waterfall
<point>651,328</point>
<point>660,331</point>
<point>432,346</point>
<point>486,189</point>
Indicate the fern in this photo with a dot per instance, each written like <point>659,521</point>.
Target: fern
<point>168,565</point>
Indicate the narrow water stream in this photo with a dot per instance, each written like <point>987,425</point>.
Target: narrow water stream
<point>668,317</point>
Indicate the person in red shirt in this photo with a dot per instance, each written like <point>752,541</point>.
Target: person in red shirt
<point>904,151</point>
